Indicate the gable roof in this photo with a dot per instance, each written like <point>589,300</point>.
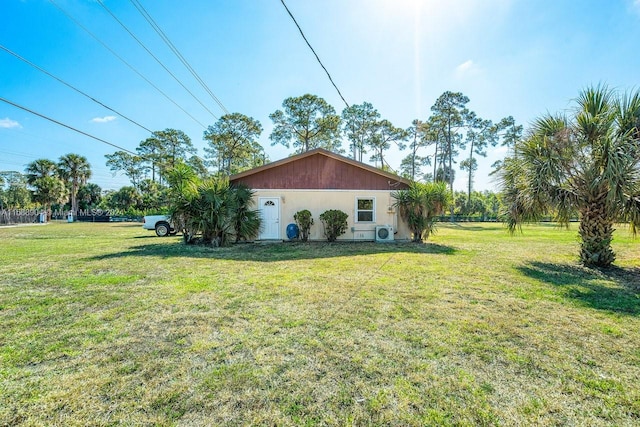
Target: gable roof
<point>319,169</point>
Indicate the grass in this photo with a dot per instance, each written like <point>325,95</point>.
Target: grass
<point>105,324</point>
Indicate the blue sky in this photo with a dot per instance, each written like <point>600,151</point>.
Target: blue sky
<point>510,57</point>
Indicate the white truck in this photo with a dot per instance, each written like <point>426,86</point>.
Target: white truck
<point>160,223</point>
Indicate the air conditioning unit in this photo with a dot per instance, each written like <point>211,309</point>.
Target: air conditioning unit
<point>384,233</point>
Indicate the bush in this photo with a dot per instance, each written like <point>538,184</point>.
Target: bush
<point>420,206</point>
<point>335,223</point>
<point>304,221</point>
<point>211,208</point>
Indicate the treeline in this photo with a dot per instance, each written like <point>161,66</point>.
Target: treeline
<point>452,135</point>
<point>46,183</point>
<point>62,186</point>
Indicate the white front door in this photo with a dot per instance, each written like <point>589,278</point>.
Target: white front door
<point>270,214</point>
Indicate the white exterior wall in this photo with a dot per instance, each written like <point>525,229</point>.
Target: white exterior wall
<point>318,201</point>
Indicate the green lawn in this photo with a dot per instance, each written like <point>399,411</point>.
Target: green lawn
<point>104,324</point>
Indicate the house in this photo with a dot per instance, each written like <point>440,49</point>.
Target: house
<point>319,180</point>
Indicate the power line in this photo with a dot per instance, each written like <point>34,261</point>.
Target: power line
<point>154,57</point>
<point>65,125</point>
<point>72,87</point>
<point>125,62</point>
<point>145,14</point>
<point>32,137</point>
<point>84,133</point>
<point>314,52</point>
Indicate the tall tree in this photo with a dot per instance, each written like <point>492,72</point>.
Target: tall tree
<point>418,135</point>
<point>587,162</point>
<point>198,164</point>
<point>10,177</point>
<point>40,168</point>
<point>126,199</point>
<point>132,166</point>
<point>385,134</point>
<point>175,145</point>
<point>449,119</point>
<point>306,122</point>
<point>470,165</point>
<point>359,125</point>
<point>510,134</point>
<point>89,195</point>
<point>233,144</point>
<point>153,195</point>
<point>152,150</point>
<point>2,193</point>
<point>15,194</point>
<point>49,190</point>
<point>480,134</point>
<point>75,170</point>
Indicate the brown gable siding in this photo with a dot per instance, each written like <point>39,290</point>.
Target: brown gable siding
<point>318,171</point>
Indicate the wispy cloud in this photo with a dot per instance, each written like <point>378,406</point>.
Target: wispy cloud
<point>7,123</point>
<point>467,68</point>
<point>105,119</point>
<point>636,5</point>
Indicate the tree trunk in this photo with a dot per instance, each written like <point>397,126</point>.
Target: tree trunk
<point>596,233</point>
<point>435,163</point>
<point>413,158</point>
<point>470,174</point>
<point>74,199</point>
<point>451,181</point>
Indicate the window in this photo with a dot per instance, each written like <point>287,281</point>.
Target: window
<point>365,209</point>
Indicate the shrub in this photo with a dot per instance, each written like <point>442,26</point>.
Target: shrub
<point>211,208</point>
<point>420,205</point>
<point>304,221</point>
<point>335,223</point>
<point>246,221</point>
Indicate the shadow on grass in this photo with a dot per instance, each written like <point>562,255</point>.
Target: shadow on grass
<point>486,226</point>
<point>615,289</point>
<point>267,252</point>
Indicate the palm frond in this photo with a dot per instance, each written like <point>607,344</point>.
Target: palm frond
<point>595,115</point>
<point>631,212</point>
<point>628,114</point>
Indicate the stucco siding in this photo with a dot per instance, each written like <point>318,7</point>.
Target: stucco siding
<point>318,201</point>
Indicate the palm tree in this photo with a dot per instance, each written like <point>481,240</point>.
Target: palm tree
<point>420,205</point>
<point>49,190</point>
<point>211,208</point>
<point>587,164</point>
<point>75,170</point>
<point>246,221</point>
<point>40,168</point>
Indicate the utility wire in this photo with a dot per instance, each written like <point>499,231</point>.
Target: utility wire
<point>125,62</point>
<point>145,14</point>
<point>73,87</point>
<point>154,57</point>
<point>66,126</point>
<point>82,132</point>
<point>314,52</point>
